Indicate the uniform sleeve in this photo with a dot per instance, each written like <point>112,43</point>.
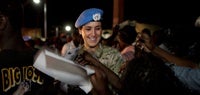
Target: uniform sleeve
<point>117,62</point>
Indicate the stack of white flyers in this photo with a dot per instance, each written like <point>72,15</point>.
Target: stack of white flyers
<point>63,69</point>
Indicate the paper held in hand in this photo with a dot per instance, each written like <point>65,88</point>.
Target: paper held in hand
<point>63,69</point>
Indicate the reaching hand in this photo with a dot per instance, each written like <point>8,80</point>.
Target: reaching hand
<point>99,82</point>
<point>79,59</point>
<point>144,41</point>
<point>22,88</point>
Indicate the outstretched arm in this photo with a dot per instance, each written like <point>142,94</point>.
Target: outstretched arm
<point>149,46</point>
<point>113,78</point>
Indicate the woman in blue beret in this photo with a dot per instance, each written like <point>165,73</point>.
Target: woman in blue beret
<point>102,58</point>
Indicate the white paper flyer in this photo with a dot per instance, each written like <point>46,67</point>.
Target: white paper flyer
<point>63,69</point>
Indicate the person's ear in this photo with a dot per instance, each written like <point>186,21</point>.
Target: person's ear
<point>3,22</point>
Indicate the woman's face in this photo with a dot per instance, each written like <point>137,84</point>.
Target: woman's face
<point>91,34</point>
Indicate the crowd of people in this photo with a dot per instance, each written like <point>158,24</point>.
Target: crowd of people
<point>131,62</point>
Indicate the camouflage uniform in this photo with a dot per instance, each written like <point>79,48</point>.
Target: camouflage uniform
<point>110,57</point>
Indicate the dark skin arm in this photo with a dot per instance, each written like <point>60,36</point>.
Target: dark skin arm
<point>149,46</point>
<point>113,79</point>
<point>99,82</point>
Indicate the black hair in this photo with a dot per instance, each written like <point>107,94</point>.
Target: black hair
<point>149,75</point>
<point>127,34</point>
<point>77,39</point>
<point>13,9</point>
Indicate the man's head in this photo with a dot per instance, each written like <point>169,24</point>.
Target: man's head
<point>10,25</point>
<point>127,34</point>
<point>11,13</point>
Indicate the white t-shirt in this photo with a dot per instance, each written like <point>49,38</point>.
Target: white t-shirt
<point>69,50</point>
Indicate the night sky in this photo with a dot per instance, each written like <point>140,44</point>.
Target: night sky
<point>61,12</point>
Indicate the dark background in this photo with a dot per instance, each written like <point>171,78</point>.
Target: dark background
<point>64,11</point>
<point>180,16</point>
<point>60,12</point>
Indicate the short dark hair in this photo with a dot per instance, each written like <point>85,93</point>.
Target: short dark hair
<point>127,34</point>
<point>148,74</point>
<point>13,9</point>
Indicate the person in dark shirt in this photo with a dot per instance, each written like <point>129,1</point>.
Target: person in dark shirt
<point>18,76</point>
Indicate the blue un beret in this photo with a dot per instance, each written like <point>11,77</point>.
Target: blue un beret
<point>92,14</point>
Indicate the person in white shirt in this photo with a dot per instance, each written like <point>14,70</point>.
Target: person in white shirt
<point>69,49</point>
